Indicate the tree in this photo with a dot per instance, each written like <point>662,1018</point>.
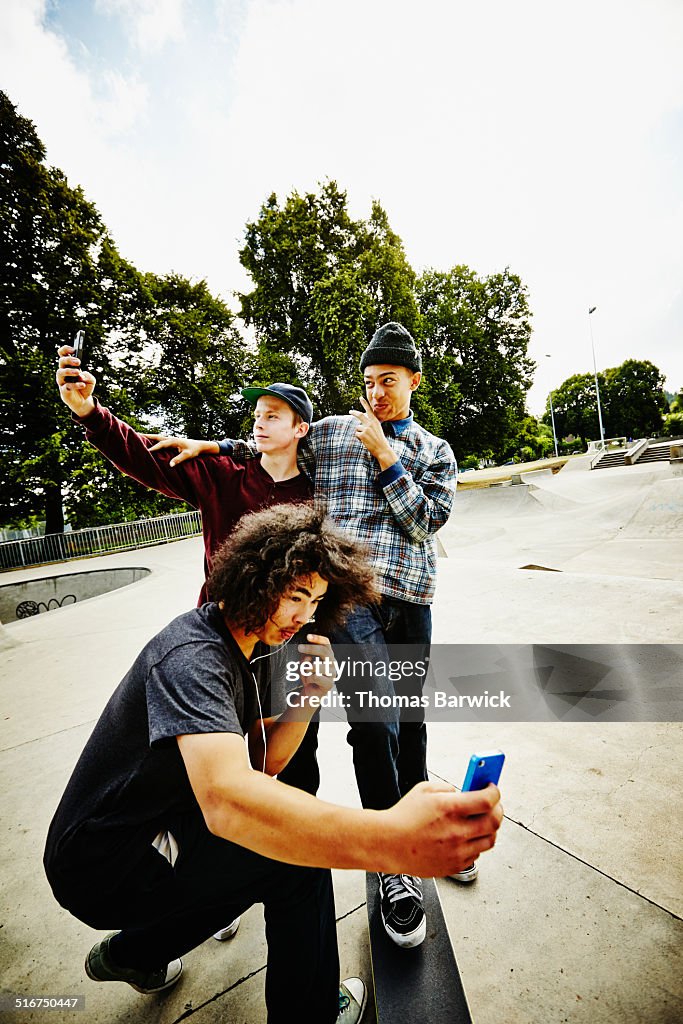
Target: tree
<point>631,398</point>
<point>575,406</point>
<point>673,421</point>
<point>673,425</point>
<point>323,283</point>
<point>634,399</point>
<point>60,270</point>
<point>199,358</point>
<point>533,440</point>
<point>474,334</point>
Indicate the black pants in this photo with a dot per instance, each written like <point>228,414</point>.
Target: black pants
<point>165,911</point>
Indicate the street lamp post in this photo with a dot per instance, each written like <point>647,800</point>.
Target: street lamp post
<point>591,309</point>
<point>552,417</point>
<point>552,412</point>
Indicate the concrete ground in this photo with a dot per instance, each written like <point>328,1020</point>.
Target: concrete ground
<point>576,915</point>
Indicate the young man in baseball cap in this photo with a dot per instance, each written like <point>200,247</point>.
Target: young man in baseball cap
<point>223,490</point>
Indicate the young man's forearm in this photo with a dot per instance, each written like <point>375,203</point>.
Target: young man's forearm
<point>431,831</point>
<point>286,824</point>
<point>283,738</point>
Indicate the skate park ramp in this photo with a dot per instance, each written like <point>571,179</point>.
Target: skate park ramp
<point>620,522</point>
<point>660,513</point>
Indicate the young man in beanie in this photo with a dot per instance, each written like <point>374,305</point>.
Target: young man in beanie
<point>388,483</point>
<point>170,823</point>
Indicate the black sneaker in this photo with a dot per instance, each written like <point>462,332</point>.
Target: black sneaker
<point>402,910</point>
<point>99,966</point>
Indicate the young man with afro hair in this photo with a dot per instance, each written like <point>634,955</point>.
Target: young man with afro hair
<point>170,824</point>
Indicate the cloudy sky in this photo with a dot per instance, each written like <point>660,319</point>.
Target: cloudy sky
<point>544,136</point>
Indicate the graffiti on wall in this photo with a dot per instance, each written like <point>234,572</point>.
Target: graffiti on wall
<point>25,609</point>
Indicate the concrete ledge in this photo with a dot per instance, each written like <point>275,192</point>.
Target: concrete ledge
<point>635,451</point>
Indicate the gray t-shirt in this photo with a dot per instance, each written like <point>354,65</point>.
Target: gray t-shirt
<point>130,781</point>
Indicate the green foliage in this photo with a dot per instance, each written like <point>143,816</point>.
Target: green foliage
<point>474,333</point>
<point>533,440</point>
<point>199,358</point>
<point>322,284</point>
<point>676,402</point>
<point>634,399</point>
<point>673,425</point>
<point>575,407</point>
<point>631,397</point>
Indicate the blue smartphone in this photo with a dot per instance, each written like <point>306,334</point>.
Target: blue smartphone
<point>482,769</point>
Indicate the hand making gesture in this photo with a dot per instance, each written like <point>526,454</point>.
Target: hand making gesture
<point>370,434</point>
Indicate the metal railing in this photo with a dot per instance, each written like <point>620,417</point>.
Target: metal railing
<point>98,540</point>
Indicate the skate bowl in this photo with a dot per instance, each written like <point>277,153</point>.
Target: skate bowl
<point>25,599</point>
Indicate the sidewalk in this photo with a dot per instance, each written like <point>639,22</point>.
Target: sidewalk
<point>576,915</point>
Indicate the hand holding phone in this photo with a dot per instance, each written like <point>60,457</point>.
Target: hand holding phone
<point>483,769</point>
<point>75,384</point>
<point>78,348</point>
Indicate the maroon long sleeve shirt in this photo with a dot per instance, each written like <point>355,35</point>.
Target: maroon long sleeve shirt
<point>221,489</point>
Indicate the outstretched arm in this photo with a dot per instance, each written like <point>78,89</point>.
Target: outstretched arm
<point>127,449</point>
<point>434,830</point>
<point>190,448</point>
<point>238,449</point>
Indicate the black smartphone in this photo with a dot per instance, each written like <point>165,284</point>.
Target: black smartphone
<point>78,348</point>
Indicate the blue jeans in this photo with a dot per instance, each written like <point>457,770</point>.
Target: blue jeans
<point>389,751</point>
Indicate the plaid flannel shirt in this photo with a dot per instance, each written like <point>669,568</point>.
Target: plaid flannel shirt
<point>394,513</point>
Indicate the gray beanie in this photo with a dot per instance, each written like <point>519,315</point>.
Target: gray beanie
<point>393,345</point>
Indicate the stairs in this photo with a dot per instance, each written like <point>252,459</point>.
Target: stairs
<point>658,452</point>
<point>655,453</point>
<point>610,459</point>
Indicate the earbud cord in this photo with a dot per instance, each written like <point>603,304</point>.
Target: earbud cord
<point>258,697</point>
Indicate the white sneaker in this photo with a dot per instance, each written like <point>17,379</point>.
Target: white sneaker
<point>467,874</point>
<point>352,999</point>
<point>227,933</point>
